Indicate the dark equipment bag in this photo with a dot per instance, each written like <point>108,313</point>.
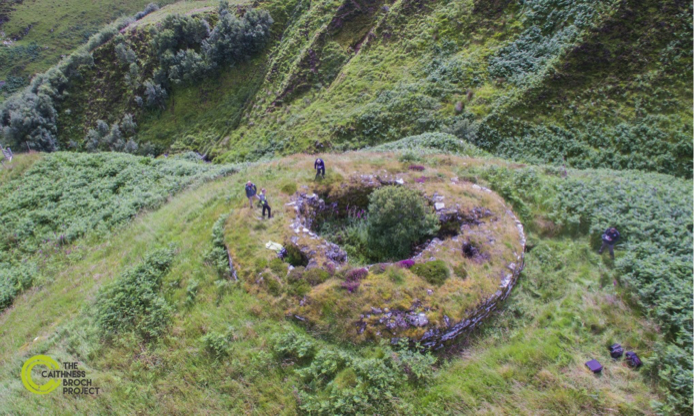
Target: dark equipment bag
<point>616,351</point>
<point>633,360</point>
<point>594,366</point>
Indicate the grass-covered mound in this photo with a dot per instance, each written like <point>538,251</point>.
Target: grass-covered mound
<point>334,289</point>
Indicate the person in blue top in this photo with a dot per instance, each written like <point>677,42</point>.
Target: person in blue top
<point>251,191</point>
<point>609,238</point>
<point>319,166</point>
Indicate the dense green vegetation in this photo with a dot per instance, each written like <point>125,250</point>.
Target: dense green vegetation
<point>564,311</point>
<point>65,196</point>
<point>586,84</point>
<point>39,33</point>
<point>122,262</point>
<point>398,218</point>
<point>654,215</point>
<point>395,220</point>
<point>133,302</point>
<point>180,50</point>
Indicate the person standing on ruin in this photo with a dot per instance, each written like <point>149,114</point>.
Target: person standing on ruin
<point>266,206</point>
<point>251,191</point>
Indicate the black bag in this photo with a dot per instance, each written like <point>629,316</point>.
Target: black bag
<point>633,360</point>
<point>616,351</point>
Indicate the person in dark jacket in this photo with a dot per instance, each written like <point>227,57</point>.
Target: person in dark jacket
<point>609,238</point>
<point>251,191</point>
<point>319,166</point>
<point>266,206</point>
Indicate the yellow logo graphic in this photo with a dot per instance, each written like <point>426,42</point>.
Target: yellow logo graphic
<point>26,374</point>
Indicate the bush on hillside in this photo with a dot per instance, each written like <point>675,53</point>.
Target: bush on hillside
<point>151,7</point>
<point>218,256</point>
<point>234,40</point>
<point>342,382</point>
<point>184,46</point>
<point>216,344</point>
<point>398,219</point>
<point>133,302</point>
<point>13,280</point>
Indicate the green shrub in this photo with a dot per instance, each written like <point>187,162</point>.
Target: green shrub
<point>294,256</point>
<point>340,382</point>
<point>294,345</point>
<point>216,344</point>
<point>8,292</point>
<point>278,267</point>
<point>316,276</point>
<point>288,188</point>
<point>218,256</point>
<point>398,219</point>
<point>273,285</point>
<point>133,302</point>
<point>434,272</point>
<point>460,271</point>
<point>13,280</point>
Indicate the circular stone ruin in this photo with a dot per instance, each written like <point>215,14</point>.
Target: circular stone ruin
<point>480,243</point>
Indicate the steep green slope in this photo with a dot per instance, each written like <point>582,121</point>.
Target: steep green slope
<point>586,84</point>
<point>36,33</point>
<point>226,349</point>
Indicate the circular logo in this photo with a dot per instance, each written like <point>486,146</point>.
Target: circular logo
<point>26,374</point>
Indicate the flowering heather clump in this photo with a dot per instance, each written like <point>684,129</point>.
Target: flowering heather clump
<point>330,268</point>
<point>353,278</point>
<point>407,263</point>
<point>351,286</point>
<point>421,180</point>
<point>416,168</point>
<point>356,274</point>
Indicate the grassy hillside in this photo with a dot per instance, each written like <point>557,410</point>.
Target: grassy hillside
<point>577,114</point>
<point>226,349</point>
<point>586,84</point>
<point>36,33</point>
